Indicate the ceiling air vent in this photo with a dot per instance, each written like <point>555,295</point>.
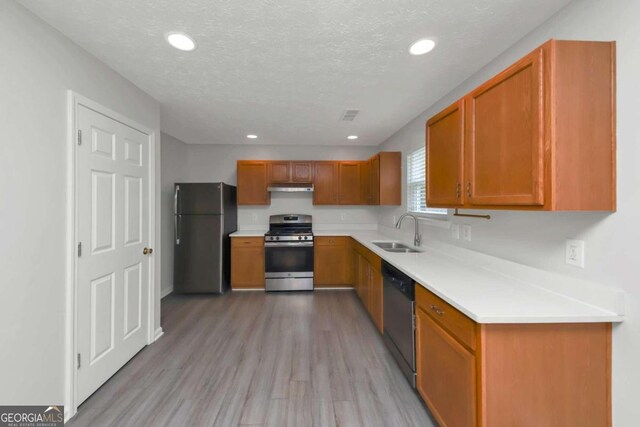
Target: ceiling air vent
<point>349,115</point>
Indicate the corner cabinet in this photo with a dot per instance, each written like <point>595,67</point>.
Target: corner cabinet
<point>538,136</point>
<point>502,375</point>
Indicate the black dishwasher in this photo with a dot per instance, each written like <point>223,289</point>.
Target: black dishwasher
<point>399,323</point>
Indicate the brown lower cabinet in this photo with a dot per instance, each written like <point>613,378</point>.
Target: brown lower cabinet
<point>247,262</point>
<point>332,260</point>
<point>495,375</point>
<point>368,282</point>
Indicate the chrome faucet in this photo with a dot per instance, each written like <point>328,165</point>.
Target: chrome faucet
<point>417,238</point>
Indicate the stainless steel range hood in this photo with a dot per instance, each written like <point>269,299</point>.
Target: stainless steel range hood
<point>291,188</point>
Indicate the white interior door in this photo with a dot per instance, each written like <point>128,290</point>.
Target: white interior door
<point>113,230</point>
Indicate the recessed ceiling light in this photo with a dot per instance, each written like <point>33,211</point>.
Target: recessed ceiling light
<point>352,137</point>
<point>252,136</point>
<point>181,41</point>
<point>422,46</point>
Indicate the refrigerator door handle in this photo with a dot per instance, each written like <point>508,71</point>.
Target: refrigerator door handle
<point>176,195</point>
<point>176,225</point>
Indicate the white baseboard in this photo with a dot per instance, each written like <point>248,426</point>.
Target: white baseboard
<point>158,334</point>
<point>165,292</point>
<point>68,414</point>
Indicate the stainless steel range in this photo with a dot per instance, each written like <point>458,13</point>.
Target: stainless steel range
<point>288,249</point>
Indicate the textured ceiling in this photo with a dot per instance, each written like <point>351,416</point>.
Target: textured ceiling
<point>287,69</point>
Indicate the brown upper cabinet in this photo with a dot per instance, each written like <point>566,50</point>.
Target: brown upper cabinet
<point>325,184</point>
<point>386,178</point>
<point>445,153</point>
<point>376,181</point>
<point>301,171</point>
<point>279,172</point>
<point>349,183</point>
<point>538,136</point>
<point>253,182</point>
<point>283,172</point>
<point>381,179</point>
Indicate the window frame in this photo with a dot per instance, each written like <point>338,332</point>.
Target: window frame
<point>436,213</point>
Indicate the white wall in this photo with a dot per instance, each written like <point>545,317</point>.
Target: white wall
<point>538,239</point>
<point>174,166</point>
<point>218,163</point>
<point>38,66</point>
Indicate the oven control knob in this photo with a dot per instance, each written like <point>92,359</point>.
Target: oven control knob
<point>299,237</point>
<point>277,238</point>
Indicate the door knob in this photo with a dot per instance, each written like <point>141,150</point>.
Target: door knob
<point>147,251</point>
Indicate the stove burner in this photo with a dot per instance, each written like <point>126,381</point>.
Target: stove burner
<point>289,227</point>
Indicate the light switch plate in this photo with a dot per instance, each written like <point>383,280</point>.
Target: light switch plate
<point>455,231</point>
<point>574,253</point>
<point>466,232</point>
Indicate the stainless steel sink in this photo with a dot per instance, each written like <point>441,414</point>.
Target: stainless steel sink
<point>395,247</point>
<point>403,250</point>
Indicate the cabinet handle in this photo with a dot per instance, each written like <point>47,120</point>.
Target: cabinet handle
<point>469,188</point>
<point>437,310</point>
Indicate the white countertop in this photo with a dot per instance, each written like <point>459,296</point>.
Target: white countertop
<point>248,233</point>
<point>484,295</point>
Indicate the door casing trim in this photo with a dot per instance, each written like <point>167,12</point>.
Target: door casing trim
<point>70,376</point>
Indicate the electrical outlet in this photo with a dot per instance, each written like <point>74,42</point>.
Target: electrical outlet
<point>466,232</point>
<point>254,217</point>
<point>455,231</point>
<point>395,220</point>
<point>343,216</point>
<point>574,253</point>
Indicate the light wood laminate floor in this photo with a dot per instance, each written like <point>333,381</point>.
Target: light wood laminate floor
<point>251,358</point>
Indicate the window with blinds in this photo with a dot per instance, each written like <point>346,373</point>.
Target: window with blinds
<point>417,185</point>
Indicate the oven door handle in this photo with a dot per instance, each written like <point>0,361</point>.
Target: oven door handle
<point>288,244</point>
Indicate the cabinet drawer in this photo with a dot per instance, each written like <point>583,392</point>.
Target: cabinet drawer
<point>247,241</point>
<point>332,241</point>
<point>459,325</point>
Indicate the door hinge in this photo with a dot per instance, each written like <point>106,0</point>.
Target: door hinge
<point>468,188</point>
<point>458,190</point>
<point>413,322</point>
<point>79,361</point>
<point>79,249</point>
<point>79,137</point>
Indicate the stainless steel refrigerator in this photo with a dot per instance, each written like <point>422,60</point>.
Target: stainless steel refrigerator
<point>205,215</point>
